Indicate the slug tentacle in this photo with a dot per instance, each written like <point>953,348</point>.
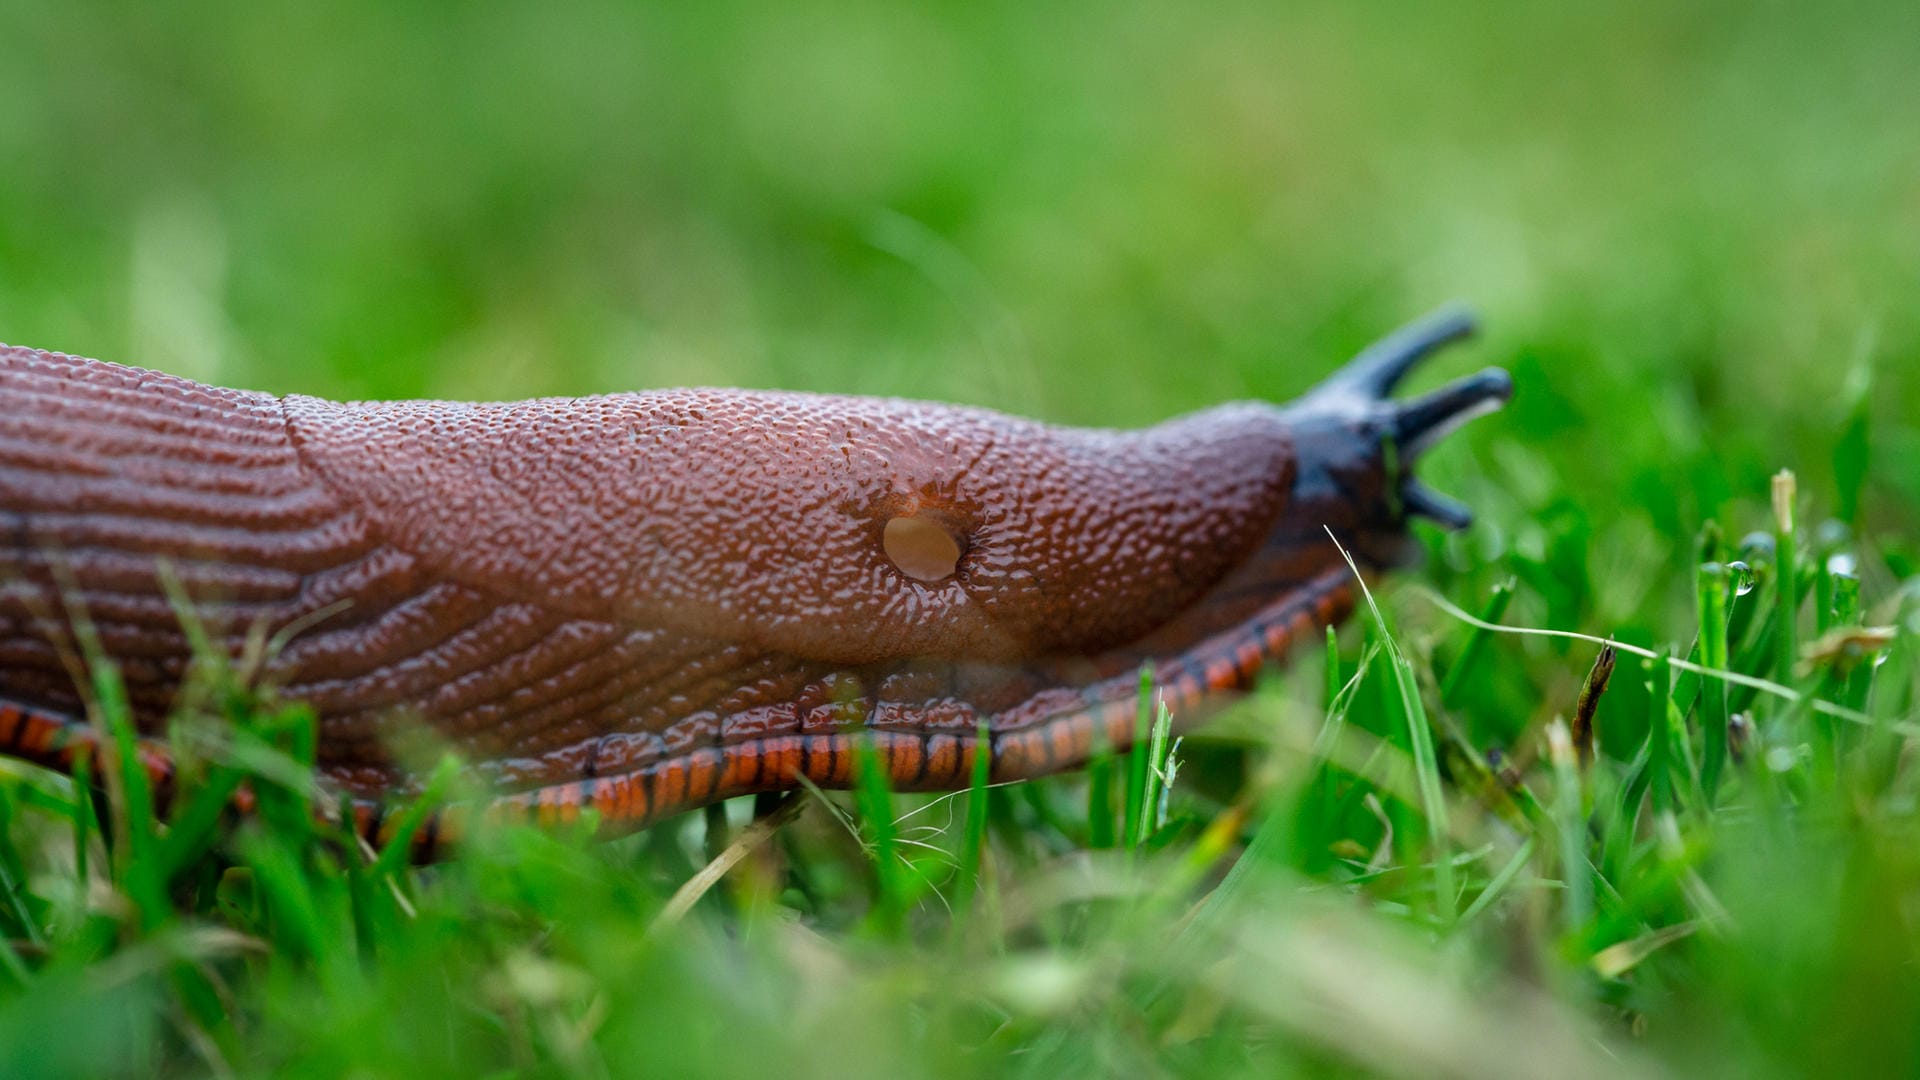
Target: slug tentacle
<point>1379,369</point>
<point>1357,446</point>
<point>1424,421</point>
<point>640,603</point>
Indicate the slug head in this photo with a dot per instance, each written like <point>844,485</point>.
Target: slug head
<point>1356,446</point>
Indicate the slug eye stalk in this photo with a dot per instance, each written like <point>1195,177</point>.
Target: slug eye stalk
<point>1355,438</point>
<point>1380,367</point>
<point>1424,421</point>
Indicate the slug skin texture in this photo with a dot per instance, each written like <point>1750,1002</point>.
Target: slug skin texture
<point>644,602</point>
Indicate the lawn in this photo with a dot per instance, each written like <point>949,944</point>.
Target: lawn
<point>1691,232</point>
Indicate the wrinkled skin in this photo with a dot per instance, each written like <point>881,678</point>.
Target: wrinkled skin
<point>643,602</point>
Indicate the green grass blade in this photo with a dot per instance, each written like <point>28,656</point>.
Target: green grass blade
<point>973,841</point>
<point>1786,640</point>
<point>1570,821</point>
<point>1137,764</point>
<point>1151,815</point>
<point>189,830</point>
<point>874,797</point>
<point>1426,764</point>
<point>83,822</point>
<point>1331,660</point>
<point>1711,605</point>
<point>1100,767</point>
<point>18,920</point>
<point>398,848</point>
<point>294,919</point>
<point>1500,882</point>
<point>1433,798</point>
<point>715,841</point>
<point>1476,643</point>
<point>136,810</point>
<point>1660,765</point>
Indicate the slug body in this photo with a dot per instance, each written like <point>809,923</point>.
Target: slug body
<point>644,602</point>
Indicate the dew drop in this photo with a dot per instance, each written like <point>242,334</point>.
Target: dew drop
<point>922,548</point>
<point>1742,577</point>
<point>1842,565</point>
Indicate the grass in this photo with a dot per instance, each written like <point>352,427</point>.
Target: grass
<point>1689,230</point>
<point>1346,902</point>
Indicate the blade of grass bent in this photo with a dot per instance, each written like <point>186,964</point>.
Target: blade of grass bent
<point>1420,738</point>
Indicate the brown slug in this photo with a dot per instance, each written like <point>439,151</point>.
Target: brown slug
<point>642,603</point>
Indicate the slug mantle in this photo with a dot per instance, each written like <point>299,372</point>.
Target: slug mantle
<point>640,603</point>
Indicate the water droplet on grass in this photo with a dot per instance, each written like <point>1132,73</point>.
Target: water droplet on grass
<point>1743,577</point>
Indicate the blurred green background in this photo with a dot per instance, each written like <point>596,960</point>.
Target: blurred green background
<point>1685,226</point>
<point>1692,232</point>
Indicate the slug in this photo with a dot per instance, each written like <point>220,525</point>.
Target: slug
<point>642,603</point>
